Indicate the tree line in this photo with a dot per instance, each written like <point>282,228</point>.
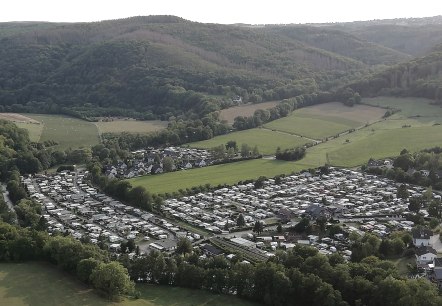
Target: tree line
<point>408,168</point>
<point>300,276</point>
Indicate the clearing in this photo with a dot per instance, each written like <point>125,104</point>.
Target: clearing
<point>68,132</point>
<point>247,110</point>
<point>215,175</point>
<point>130,126</point>
<point>267,141</point>
<point>42,284</point>
<point>33,127</point>
<point>328,119</point>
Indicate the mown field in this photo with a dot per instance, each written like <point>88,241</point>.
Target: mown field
<point>229,114</point>
<point>416,127</point>
<point>71,132</point>
<point>67,131</point>
<point>36,284</point>
<point>266,140</point>
<point>326,120</point>
<point>215,175</point>
<point>130,126</point>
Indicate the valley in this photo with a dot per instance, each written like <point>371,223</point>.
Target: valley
<point>159,161</point>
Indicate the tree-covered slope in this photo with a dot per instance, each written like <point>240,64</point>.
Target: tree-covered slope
<point>343,43</point>
<point>413,36</point>
<point>420,77</point>
<point>165,65</point>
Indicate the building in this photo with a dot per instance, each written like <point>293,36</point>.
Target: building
<point>421,237</point>
<point>425,255</point>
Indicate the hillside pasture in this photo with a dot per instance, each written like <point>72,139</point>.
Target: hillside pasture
<point>374,143</point>
<point>40,284</point>
<point>324,120</point>
<point>33,127</point>
<point>130,126</point>
<point>417,108</point>
<point>247,110</point>
<point>68,132</point>
<point>215,175</point>
<point>267,141</point>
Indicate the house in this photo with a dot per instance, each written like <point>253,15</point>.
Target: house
<point>210,250</point>
<point>187,165</point>
<point>237,100</point>
<point>425,173</point>
<point>425,255</point>
<point>150,158</point>
<point>421,237</point>
<point>156,169</point>
<point>200,163</point>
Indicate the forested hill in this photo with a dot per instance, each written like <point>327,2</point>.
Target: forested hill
<point>413,36</point>
<point>161,66</point>
<point>420,77</point>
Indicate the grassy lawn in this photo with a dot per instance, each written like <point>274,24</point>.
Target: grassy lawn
<point>42,284</point>
<point>326,119</point>
<point>67,131</point>
<point>408,106</point>
<point>375,143</point>
<point>215,175</point>
<point>316,128</point>
<point>34,130</point>
<point>130,126</point>
<point>266,140</point>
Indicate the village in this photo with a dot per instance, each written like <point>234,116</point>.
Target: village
<point>156,161</point>
<point>359,202</point>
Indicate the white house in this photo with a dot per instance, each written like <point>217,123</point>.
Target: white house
<point>425,255</point>
<point>421,237</point>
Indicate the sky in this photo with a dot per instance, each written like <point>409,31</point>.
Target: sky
<point>220,11</point>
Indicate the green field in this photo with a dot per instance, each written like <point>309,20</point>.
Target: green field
<point>34,130</point>
<point>219,174</point>
<point>130,126</point>
<point>36,284</point>
<point>66,131</point>
<point>325,120</point>
<point>382,138</point>
<point>373,143</point>
<point>409,106</point>
<point>266,140</point>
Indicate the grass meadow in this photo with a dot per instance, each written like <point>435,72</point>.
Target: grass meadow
<point>67,131</point>
<point>266,140</point>
<point>130,126</point>
<point>215,175</point>
<point>35,130</point>
<point>326,119</point>
<point>415,128</point>
<point>41,284</point>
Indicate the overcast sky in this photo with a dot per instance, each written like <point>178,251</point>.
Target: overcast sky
<point>220,11</point>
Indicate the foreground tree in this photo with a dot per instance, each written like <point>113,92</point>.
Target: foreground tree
<point>112,279</point>
<point>184,246</point>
